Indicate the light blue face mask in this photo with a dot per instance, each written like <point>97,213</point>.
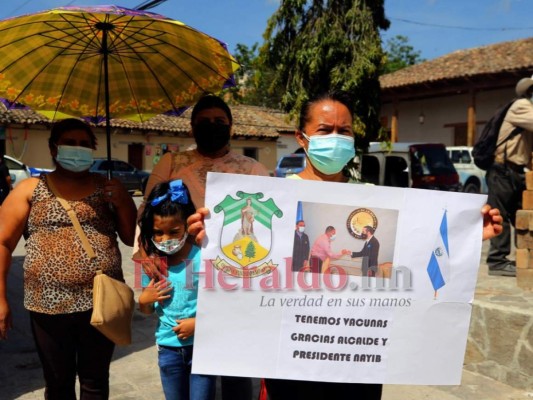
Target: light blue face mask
<point>330,153</point>
<point>74,158</point>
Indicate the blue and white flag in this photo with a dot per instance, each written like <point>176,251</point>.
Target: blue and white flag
<point>299,212</point>
<point>438,267</point>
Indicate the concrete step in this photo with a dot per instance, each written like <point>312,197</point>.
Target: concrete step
<point>500,339</point>
<point>474,386</point>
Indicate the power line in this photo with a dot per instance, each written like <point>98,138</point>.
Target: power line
<point>146,5</point>
<point>28,1</point>
<point>18,8</point>
<point>466,28</point>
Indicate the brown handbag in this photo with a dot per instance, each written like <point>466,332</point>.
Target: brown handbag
<point>113,300</point>
<point>113,306</point>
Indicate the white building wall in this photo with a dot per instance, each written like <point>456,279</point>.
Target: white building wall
<point>286,144</point>
<point>441,113</point>
<point>34,152</point>
<point>29,146</point>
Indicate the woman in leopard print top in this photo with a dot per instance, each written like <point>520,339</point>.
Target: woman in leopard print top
<point>58,274</point>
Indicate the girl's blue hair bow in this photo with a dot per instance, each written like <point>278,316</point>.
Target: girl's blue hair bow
<point>176,191</point>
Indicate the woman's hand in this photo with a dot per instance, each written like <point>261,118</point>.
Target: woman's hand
<point>195,224</point>
<point>154,267</point>
<point>492,222</point>
<point>115,192</point>
<point>155,291</point>
<point>185,328</point>
<point>124,209</point>
<point>6,320</point>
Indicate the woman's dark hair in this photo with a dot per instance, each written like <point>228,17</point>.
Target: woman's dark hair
<point>165,208</point>
<point>341,96</point>
<point>211,101</point>
<point>66,125</point>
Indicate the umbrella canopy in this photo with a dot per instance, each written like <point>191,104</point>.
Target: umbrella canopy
<point>107,61</point>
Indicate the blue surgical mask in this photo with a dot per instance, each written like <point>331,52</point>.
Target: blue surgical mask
<point>330,153</point>
<point>171,246</point>
<point>74,158</point>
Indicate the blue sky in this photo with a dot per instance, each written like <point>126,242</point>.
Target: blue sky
<point>434,27</point>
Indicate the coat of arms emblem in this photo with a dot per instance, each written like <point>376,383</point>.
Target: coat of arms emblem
<point>246,237</point>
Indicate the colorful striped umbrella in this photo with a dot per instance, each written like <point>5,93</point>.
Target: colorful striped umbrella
<point>107,62</point>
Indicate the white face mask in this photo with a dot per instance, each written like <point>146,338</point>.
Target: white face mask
<point>301,229</point>
<point>332,237</point>
<point>171,246</point>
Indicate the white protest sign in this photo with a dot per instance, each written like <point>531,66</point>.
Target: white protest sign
<point>406,321</point>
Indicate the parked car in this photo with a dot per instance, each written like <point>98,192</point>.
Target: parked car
<point>472,178</point>
<point>133,179</point>
<point>290,164</point>
<point>17,170</point>
<point>36,172</point>
<point>416,165</point>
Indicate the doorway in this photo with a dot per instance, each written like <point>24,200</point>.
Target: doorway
<point>135,155</point>
<point>460,137</point>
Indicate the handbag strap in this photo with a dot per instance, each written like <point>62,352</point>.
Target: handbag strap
<point>75,222</point>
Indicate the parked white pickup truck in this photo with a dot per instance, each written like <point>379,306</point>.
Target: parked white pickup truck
<point>471,177</point>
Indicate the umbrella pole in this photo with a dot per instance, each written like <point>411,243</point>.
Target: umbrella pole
<point>105,52</point>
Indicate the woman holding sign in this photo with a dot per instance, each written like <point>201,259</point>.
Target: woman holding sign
<point>325,133</point>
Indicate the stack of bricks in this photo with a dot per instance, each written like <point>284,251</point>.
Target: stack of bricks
<point>524,237</point>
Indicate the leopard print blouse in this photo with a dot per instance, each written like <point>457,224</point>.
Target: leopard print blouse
<point>58,274</point>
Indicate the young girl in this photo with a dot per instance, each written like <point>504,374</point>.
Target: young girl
<point>164,234</point>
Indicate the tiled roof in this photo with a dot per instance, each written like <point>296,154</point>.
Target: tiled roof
<point>501,57</point>
<point>248,122</point>
<point>19,116</point>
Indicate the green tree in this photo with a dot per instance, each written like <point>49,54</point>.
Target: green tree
<point>318,45</point>
<point>250,250</point>
<point>246,57</point>
<point>400,54</point>
<point>252,80</point>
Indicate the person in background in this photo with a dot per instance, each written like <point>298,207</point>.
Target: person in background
<point>369,252</point>
<point>211,123</point>
<point>325,132</point>
<point>58,273</point>
<point>164,234</point>
<point>321,249</point>
<point>5,180</point>
<point>506,176</point>
<point>301,248</point>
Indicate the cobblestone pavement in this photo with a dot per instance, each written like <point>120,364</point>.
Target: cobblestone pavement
<point>134,371</point>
